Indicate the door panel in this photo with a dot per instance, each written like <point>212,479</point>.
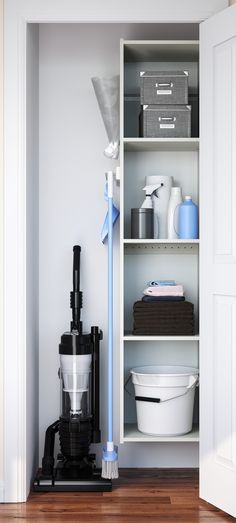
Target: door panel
<point>224,371</point>
<point>218,260</point>
<point>224,187</point>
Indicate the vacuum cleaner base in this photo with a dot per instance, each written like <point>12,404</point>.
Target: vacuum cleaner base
<point>60,482</point>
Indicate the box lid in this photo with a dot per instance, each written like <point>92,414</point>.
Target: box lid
<point>166,108</point>
<point>147,74</point>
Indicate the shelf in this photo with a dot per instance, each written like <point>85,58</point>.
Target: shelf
<point>160,144</point>
<point>132,337</point>
<point>132,434</point>
<point>163,246</point>
<point>159,242</point>
<point>161,51</point>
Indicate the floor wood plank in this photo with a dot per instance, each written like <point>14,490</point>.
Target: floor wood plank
<point>138,496</point>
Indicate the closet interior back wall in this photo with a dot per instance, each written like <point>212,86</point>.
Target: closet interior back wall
<point>72,207</point>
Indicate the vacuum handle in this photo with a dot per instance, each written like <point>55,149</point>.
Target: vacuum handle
<point>76,295</point>
<point>96,335</point>
<point>76,268</point>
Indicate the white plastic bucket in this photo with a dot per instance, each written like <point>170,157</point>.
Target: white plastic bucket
<point>173,388</point>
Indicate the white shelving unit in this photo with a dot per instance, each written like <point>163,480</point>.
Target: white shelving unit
<point>142,260</point>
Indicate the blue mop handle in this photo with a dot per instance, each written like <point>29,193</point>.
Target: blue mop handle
<point>110,306</point>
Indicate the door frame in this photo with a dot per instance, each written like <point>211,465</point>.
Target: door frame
<point>17,14</point>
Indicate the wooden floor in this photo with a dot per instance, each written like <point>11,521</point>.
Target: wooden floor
<point>140,495</point>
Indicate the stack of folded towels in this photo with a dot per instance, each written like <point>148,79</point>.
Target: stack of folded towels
<point>163,311</point>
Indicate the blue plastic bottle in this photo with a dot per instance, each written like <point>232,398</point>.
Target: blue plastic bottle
<point>188,219</point>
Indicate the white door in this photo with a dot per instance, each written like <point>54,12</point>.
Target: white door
<point>218,260</point>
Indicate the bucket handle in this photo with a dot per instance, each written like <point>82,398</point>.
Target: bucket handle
<point>150,400</point>
<point>158,400</point>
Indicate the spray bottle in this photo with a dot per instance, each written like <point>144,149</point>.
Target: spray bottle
<point>149,204</point>
<point>150,189</point>
<point>142,219</point>
<point>160,201</point>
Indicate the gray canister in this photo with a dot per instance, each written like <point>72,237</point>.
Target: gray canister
<point>142,223</point>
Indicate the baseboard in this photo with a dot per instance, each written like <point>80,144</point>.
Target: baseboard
<point>1,492</point>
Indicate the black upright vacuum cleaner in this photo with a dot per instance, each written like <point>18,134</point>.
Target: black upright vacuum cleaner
<point>78,425</point>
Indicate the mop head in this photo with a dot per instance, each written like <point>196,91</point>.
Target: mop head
<point>110,463</point>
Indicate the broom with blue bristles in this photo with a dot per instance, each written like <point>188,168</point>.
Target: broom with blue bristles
<point>107,93</point>
<point>110,451</point>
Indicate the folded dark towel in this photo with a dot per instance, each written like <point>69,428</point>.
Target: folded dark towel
<point>164,322</point>
<point>165,316</point>
<point>151,299</point>
<point>166,319</point>
<point>161,332</point>
<point>144,305</point>
<point>163,306</point>
<point>175,325</point>
<point>182,331</point>
<point>164,327</point>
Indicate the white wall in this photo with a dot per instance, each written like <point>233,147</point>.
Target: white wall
<point>32,168</point>
<point>1,245</point>
<point>122,11</point>
<point>72,208</point>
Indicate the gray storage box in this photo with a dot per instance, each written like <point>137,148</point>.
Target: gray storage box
<point>164,87</point>
<point>165,121</point>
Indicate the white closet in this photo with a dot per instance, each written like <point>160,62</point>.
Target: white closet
<point>44,70</point>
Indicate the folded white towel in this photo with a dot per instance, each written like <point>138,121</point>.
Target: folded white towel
<point>165,290</point>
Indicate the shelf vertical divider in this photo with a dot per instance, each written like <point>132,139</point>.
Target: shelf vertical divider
<point>121,342</point>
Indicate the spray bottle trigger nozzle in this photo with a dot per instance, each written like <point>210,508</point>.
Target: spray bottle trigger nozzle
<point>152,188</point>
